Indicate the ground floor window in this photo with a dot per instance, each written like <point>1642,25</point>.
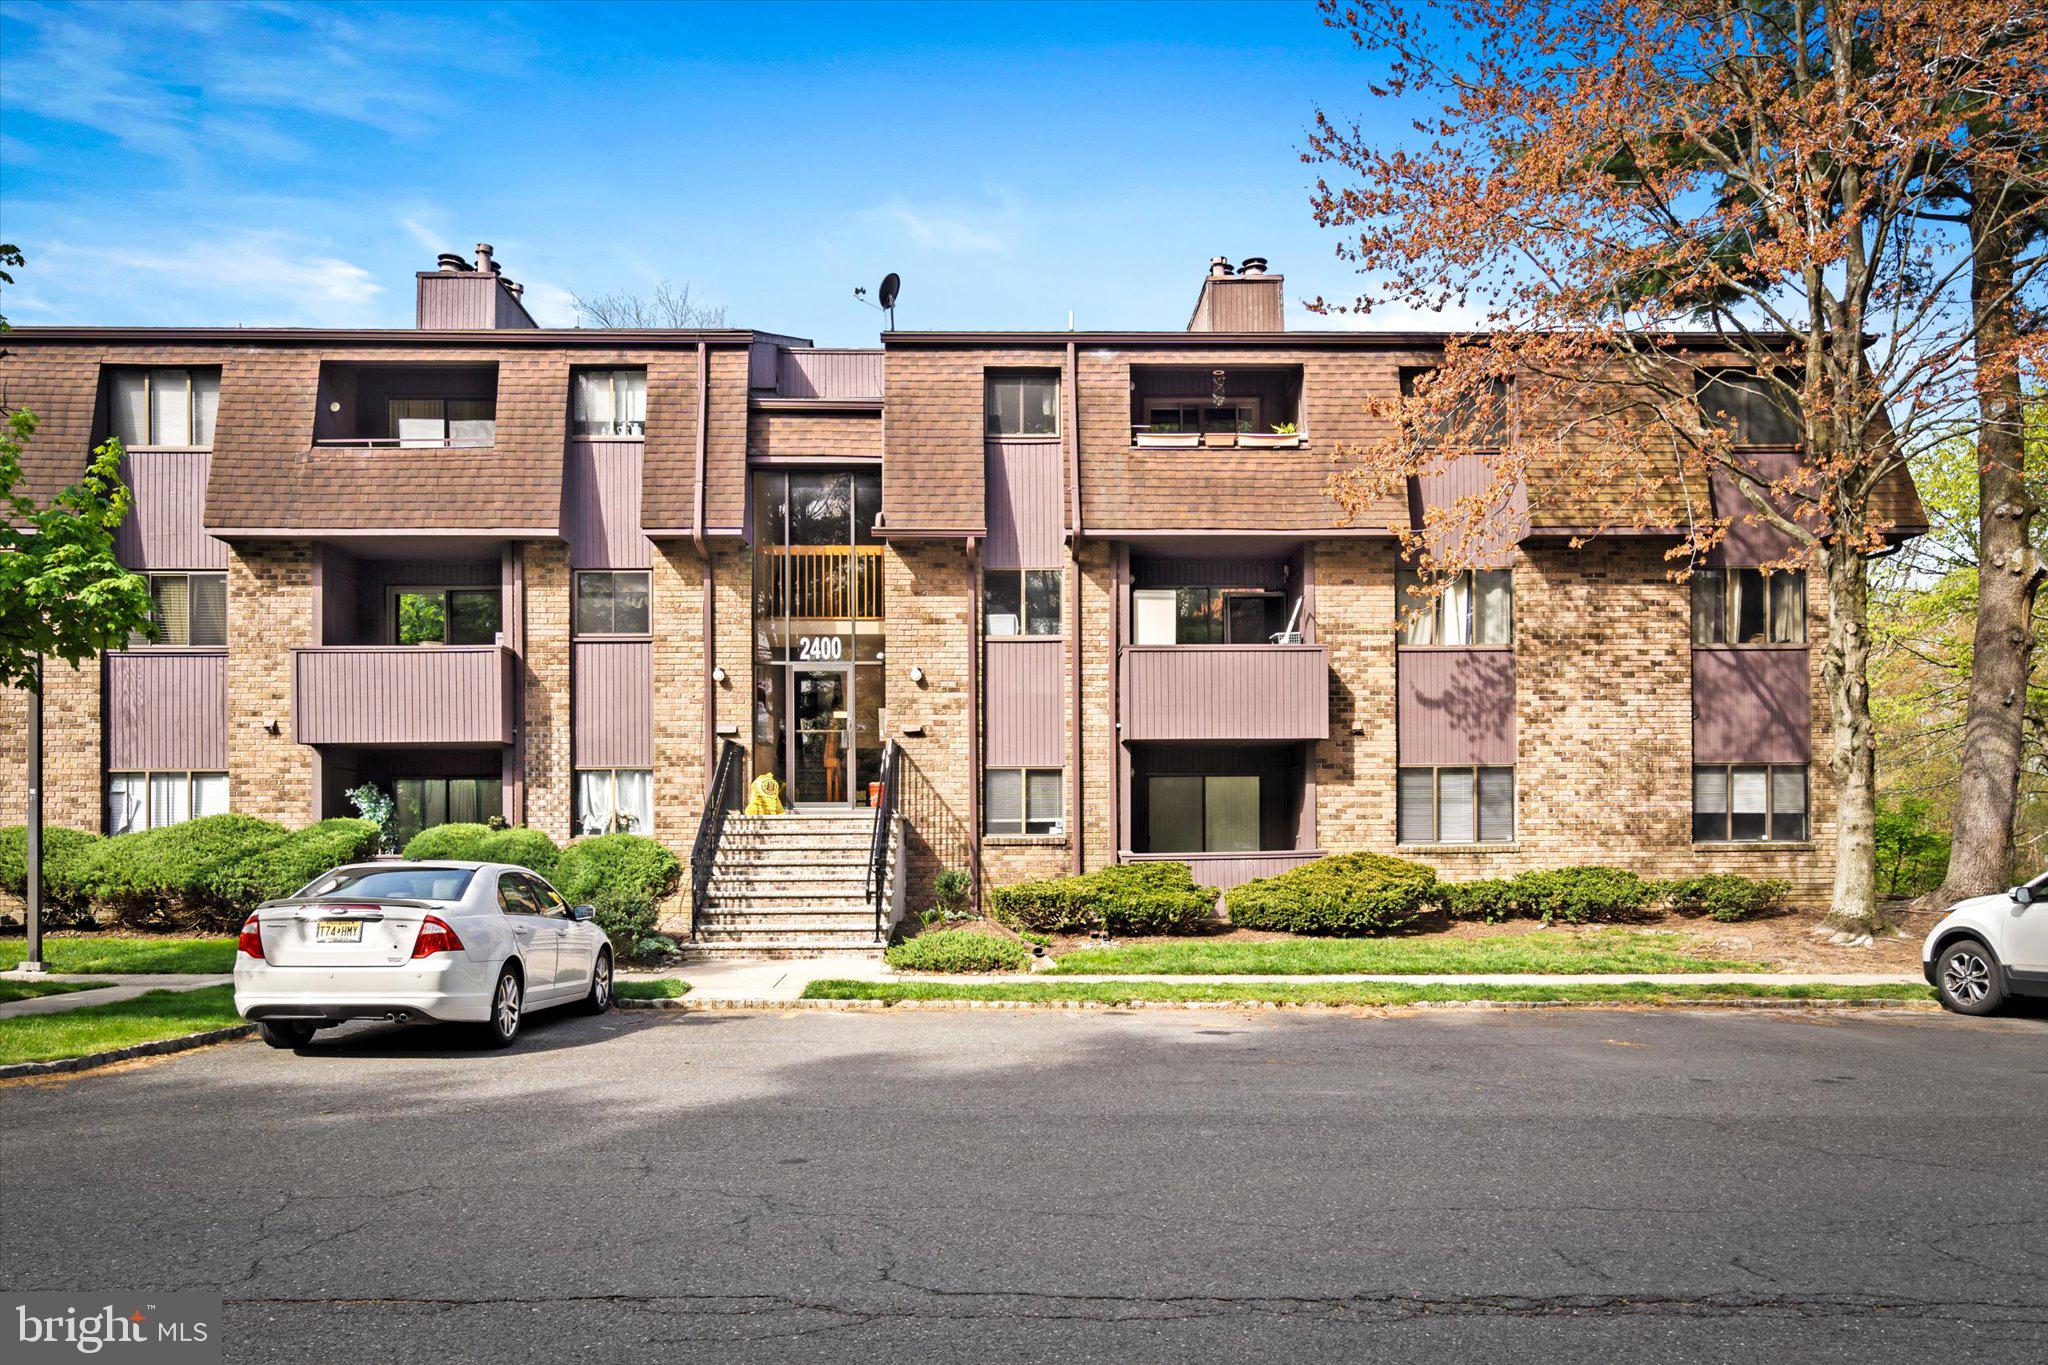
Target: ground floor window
<point>1022,801</point>
<point>1456,805</point>
<point>1202,813</point>
<point>151,800</point>
<point>422,802</point>
<point>614,800</point>
<point>1749,803</point>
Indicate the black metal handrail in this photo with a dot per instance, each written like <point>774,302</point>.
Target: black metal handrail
<point>722,796</point>
<point>878,847</point>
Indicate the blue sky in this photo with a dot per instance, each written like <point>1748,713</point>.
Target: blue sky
<point>294,164</point>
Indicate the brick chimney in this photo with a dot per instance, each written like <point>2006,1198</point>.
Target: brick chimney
<point>1245,300</point>
<point>458,296</point>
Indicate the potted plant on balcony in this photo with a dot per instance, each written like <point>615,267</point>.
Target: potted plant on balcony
<point>1161,436</point>
<point>1283,436</point>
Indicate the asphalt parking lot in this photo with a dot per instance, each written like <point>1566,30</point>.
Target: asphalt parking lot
<point>1525,1185</point>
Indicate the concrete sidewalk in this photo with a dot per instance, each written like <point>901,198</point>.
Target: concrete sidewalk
<point>106,989</point>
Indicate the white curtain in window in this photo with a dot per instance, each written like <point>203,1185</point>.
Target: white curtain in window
<point>205,405</point>
<point>127,803</point>
<point>129,418</point>
<point>1457,807</point>
<point>418,421</point>
<point>631,391</point>
<point>209,794</point>
<point>594,801</point>
<point>1414,610</point>
<point>1455,609</point>
<point>595,409</point>
<point>170,407</point>
<point>169,799</point>
<point>634,795</point>
<point>1788,608</point>
<point>1495,606</point>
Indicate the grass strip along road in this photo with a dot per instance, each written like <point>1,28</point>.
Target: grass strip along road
<point>1544,951</point>
<point>113,954</point>
<point>101,1028</point>
<point>1042,991</point>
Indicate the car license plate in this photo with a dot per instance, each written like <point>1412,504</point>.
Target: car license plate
<point>338,931</point>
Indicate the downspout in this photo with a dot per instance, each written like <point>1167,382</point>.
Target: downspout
<point>974,773</point>
<point>1076,831</point>
<point>709,605</point>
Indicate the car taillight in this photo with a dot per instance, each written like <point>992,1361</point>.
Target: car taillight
<point>251,940</point>
<point>435,937</point>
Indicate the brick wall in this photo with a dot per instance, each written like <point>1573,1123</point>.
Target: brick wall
<point>545,680</point>
<point>679,678</point>
<point>927,586</point>
<point>71,749</point>
<point>270,610</point>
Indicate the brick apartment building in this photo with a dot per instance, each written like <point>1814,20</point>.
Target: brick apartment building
<point>1090,584</point>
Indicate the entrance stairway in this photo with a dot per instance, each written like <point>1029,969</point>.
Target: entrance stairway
<point>790,886</point>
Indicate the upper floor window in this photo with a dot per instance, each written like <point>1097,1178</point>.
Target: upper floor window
<point>1023,404</point>
<point>164,407</point>
<point>444,421</point>
<point>1761,412</point>
<point>445,616</point>
<point>1748,607</point>
<point>611,403</point>
<point>1177,416</point>
<point>1022,601</point>
<point>611,602</point>
<point>1206,616</point>
<point>1476,607</point>
<point>189,609</point>
<point>1477,418</point>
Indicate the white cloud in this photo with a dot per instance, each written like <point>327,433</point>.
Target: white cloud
<point>259,277</point>
<point>550,304</point>
<point>952,229</point>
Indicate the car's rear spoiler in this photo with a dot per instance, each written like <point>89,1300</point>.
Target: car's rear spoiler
<point>287,902</point>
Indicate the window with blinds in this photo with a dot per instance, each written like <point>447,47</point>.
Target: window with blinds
<point>1021,801</point>
<point>188,608</point>
<point>163,407</point>
<point>1749,803</point>
<point>610,403</point>
<point>1454,805</point>
<point>150,800</point>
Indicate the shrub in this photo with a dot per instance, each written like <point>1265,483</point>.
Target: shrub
<point>1566,895</point>
<point>1724,896</point>
<point>165,877</point>
<point>949,889</point>
<point>1489,901</point>
<point>1352,893</point>
<point>1912,849</point>
<point>625,877</point>
<point>289,864</point>
<point>959,950</point>
<point>481,844</point>
<point>61,848</point>
<point>1128,898</point>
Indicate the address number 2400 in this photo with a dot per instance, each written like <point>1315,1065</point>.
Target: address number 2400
<point>820,647</point>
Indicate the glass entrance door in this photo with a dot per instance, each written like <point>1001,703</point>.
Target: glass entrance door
<point>821,748</point>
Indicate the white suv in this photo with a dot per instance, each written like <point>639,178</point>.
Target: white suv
<point>1990,947</point>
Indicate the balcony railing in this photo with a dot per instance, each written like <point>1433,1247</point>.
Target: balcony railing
<point>1153,437</point>
<point>1225,870</point>
<point>830,582</point>
<point>1272,693</point>
<point>403,694</point>
<point>406,442</point>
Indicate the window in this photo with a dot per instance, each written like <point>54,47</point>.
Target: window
<point>411,883</point>
<point>1455,805</point>
<point>1023,404</point>
<point>1021,801</point>
<point>1021,601</point>
<point>1749,803</point>
<point>1202,813</point>
<point>1205,616</point>
<point>1463,423</point>
<point>1748,607</point>
<point>444,421</point>
<point>419,803</point>
<point>1755,408</point>
<point>611,403</point>
<point>188,608</point>
<point>1236,415</point>
<point>518,895</point>
<point>446,616</point>
<point>1476,607</point>
<point>151,800</point>
<point>611,603</point>
<point>614,801</point>
<point>164,407</point>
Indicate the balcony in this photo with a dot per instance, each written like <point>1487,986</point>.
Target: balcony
<point>1255,407</point>
<point>374,406</point>
<point>403,694</point>
<point>821,582</point>
<point>1217,693</point>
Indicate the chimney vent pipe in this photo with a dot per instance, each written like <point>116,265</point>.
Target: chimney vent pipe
<point>483,259</point>
<point>1253,265</point>
<point>1219,266</point>
<point>450,262</point>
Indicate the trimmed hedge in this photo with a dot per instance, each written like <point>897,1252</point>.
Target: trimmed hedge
<point>289,864</point>
<point>61,848</point>
<point>481,844</point>
<point>1724,896</point>
<point>625,877</point>
<point>1126,898</point>
<point>165,878</point>
<point>1562,895</point>
<point>1352,893</point>
<point>959,950</point>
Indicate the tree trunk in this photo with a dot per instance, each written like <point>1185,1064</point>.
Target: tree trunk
<point>1852,741</point>
<point>2009,575</point>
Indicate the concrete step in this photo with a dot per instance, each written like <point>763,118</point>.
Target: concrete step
<point>754,903</point>
<point>733,856</point>
<point>811,824</point>
<point>777,950</point>
<point>713,928</point>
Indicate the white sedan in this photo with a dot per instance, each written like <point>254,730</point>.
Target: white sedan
<point>475,943</point>
<point>1990,947</point>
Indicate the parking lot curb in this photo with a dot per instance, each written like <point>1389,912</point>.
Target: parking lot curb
<point>160,1048</point>
<point>740,1005</point>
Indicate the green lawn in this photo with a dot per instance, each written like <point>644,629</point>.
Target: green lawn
<point>115,953</point>
<point>1338,993</point>
<point>29,990</point>
<point>97,1028</point>
<point>661,988</point>
<point>1543,950</point>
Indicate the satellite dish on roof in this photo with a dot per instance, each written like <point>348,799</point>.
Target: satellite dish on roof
<point>892,285</point>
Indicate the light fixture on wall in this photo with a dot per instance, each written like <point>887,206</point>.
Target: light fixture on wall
<point>718,674</point>
<point>334,406</point>
<point>917,675</point>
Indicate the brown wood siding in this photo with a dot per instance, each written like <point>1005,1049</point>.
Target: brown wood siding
<point>1225,870</point>
<point>601,506</point>
<point>1025,704</point>
<point>614,703</point>
<point>1463,477</point>
<point>1751,705</point>
<point>822,373</point>
<point>163,531</point>
<point>458,300</point>
<point>1025,520</point>
<point>1751,540</point>
<point>394,694</point>
<point>167,710</point>
<point>1226,692</point>
<point>1455,706</point>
